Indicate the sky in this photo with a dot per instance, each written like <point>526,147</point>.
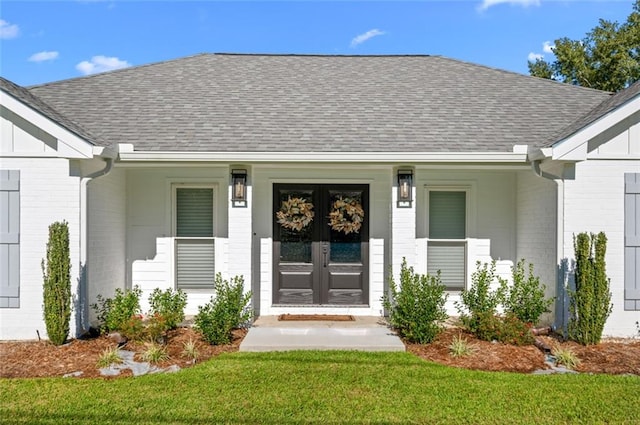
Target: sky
<point>45,41</point>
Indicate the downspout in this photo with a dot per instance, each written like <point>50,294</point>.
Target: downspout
<point>561,316</point>
<point>82,312</point>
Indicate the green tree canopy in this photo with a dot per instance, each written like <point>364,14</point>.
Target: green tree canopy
<point>607,58</point>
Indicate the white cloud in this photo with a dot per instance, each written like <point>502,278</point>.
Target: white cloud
<point>359,39</point>
<point>8,30</point>
<point>486,4</point>
<point>547,47</point>
<point>43,56</point>
<point>534,56</point>
<point>101,64</point>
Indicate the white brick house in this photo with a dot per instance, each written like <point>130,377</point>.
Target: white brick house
<point>172,172</point>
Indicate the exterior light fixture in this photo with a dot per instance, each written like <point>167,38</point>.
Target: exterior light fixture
<point>405,188</point>
<point>239,188</point>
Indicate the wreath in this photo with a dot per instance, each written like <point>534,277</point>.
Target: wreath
<point>347,215</point>
<point>295,214</point>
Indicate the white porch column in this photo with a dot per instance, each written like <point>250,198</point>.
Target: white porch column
<point>240,237</point>
<point>403,229</point>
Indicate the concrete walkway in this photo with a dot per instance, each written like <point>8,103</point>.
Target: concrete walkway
<point>363,334</point>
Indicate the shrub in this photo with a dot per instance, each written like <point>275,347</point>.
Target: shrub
<point>156,327</point>
<point>169,304</point>
<point>479,303</point>
<point>115,313</point>
<point>525,298</point>
<point>416,308</point>
<point>133,328</point>
<point>190,350</point>
<point>155,354</point>
<point>507,329</point>
<point>226,311</point>
<point>590,303</point>
<point>460,347</point>
<point>56,272</point>
<point>565,357</point>
<point>108,357</point>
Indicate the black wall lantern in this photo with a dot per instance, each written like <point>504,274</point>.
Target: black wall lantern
<point>239,188</point>
<point>405,188</point>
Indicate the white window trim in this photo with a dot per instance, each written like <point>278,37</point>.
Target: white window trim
<point>470,214</point>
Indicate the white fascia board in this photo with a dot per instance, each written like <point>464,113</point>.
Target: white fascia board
<point>574,147</point>
<point>326,157</point>
<point>77,146</point>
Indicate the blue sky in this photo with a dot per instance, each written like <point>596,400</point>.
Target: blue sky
<point>53,40</point>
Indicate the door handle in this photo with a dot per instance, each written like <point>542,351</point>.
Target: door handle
<point>325,251</point>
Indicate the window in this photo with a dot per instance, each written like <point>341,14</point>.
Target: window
<point>194,231</point>
<point>446,248</point>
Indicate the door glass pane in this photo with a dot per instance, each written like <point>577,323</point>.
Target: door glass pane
<point>295,217</point>
<point>345,219</point>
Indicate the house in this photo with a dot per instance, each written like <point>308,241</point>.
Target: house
<point>312,177</point>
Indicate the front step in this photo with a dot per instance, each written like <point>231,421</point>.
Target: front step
<point>364,334</point>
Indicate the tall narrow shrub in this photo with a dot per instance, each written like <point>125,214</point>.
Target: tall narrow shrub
<point>56,271</point>
<point>590,303</point>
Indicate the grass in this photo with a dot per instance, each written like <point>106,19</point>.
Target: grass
<point>155,354</point>
<point>320,388</point>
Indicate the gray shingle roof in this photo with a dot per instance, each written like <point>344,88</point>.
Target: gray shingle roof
<point>35,103</point>
<point>259,103</point>
<point>601,110</point>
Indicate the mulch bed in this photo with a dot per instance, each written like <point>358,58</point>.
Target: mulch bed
<point>24,359</point>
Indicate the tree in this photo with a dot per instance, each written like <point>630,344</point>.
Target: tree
<point>608,58</point>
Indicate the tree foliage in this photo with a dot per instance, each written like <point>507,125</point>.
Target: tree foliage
<point>56,270</point>
<point>607,58</point>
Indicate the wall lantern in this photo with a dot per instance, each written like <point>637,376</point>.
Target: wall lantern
<point>239,188</point>
<point>405,188</point>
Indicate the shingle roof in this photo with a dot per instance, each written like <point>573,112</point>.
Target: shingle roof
<point>35,103</point>
<point>601,110</point>
<point>260,103</point>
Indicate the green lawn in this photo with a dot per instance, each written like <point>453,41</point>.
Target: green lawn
<point>320,388</point>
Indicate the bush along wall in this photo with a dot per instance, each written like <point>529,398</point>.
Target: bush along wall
<point>590,303</point>
<point>56,271</point>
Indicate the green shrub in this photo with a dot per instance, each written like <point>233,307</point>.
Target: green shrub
<point>416,308</point>
<point>590,303</point>
<point>525,298</point>
<point>56,272</point>
<point>169,304</point>
<point>479,303</point>
<point>132,328</point>
<point>226,311</point>
<point>114,314</point>
<point>155,328</point>
<point>507,329</point>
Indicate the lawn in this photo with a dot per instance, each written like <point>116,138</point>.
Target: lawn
<point>320,388</point>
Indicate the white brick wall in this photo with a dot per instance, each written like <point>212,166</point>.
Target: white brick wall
<point>536,201</point>
<point>106,228</point>
<point>47,194</point>
<point>594,202</point>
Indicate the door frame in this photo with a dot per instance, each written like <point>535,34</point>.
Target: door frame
<point>320,241</point>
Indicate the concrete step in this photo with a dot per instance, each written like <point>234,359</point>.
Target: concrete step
<point>365,334</point>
